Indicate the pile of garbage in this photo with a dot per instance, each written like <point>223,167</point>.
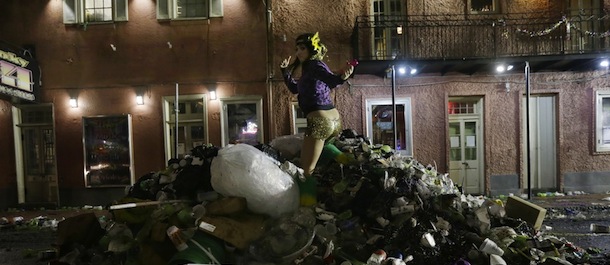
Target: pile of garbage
<point>240,205</point>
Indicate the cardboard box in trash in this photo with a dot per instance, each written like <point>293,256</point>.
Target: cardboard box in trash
<point>238,230</point>
<point>526,211</point>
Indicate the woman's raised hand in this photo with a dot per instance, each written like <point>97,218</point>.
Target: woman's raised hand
<point>348,72</point>
<point>285,62</point>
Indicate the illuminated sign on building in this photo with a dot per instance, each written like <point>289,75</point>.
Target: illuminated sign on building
<point>19,74</point>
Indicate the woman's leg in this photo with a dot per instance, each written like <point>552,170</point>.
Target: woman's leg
<point>312,148</point>
<point>321,125</point>
<point>310,153</point>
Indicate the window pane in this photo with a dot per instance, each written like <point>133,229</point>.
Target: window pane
<point>196,106</point>
<point>456,107</point>
<point>383,125</point>
<point>197,133</point>
<point>243,123</point>
<point>107,14</point>
<point>191,8</point>
<point>471,145</point>
<point>455,138</point>
<point>605,120</point>
<point>98,10</point>
<point>482,5</point>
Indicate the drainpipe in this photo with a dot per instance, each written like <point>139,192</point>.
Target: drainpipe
<point>270,69</point>
<point>527,129</point>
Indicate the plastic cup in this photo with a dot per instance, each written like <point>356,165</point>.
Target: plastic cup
<point>177,238</point>
<point>428,240</point>
<point>496,260</point>
<point>490,247</point>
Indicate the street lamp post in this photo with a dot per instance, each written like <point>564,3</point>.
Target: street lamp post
<point>394,124</point>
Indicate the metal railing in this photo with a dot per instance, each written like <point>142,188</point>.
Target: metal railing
<point>481,36</point>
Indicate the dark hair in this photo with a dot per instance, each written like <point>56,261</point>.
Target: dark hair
<point>305,39</point>
<point>317,50</point>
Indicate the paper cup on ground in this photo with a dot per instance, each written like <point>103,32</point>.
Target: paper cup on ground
<point>177,238</point>
<point>490,247</point>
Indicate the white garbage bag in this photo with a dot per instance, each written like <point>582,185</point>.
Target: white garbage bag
<point>289,146</point>
<point>244,171</point>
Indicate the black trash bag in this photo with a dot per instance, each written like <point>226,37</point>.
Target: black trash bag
<point>192,179</point>
<point>271,152</point>
<point>145,188</point>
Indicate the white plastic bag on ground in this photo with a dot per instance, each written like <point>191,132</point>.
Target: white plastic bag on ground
<point>288,145</point>
<point>244,171</point>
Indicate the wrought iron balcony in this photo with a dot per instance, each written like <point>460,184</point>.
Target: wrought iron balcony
<point>577,35</point>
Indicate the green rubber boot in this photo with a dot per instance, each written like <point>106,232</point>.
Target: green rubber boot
<point>307,190</point>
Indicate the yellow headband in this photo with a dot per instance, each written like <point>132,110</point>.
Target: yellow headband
<point>315,42</point>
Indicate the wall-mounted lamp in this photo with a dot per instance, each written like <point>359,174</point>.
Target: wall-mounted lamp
<point>140,100</point>
<point>501,68</point>
<point>399,30</point>
<point>212,94</point>
<point>402,70</point>
<point>73,102</point>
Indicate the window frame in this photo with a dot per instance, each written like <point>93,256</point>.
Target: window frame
<point>167,10</point>
<point>599,115</point>
<point>495,10</point>
<point>224,118</point>
<point>74,12</point>
<point>408,116</point>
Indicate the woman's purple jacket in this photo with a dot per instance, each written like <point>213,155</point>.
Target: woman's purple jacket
<point>313,88</point>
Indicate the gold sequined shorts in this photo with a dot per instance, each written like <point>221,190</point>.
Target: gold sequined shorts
<point>322,128</point>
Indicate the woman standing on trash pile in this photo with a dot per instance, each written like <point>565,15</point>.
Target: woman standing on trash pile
<point>313,89</point>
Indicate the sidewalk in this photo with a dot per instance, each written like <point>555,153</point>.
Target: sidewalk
<point>600,200</point>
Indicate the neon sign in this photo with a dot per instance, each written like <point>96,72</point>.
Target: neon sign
<point>16,79</point>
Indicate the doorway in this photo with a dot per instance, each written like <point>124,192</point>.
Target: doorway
<point>466,144</point>
<point>543,161</point>
<point>191,128</point>
<point>37,174</point>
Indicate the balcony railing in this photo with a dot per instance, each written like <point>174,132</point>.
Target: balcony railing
<point>481,36</point>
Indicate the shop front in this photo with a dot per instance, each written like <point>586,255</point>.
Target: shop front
<point>27,134</point>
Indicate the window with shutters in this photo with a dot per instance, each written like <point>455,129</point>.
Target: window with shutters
<point>94,11</point>
<point>188,9</point>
